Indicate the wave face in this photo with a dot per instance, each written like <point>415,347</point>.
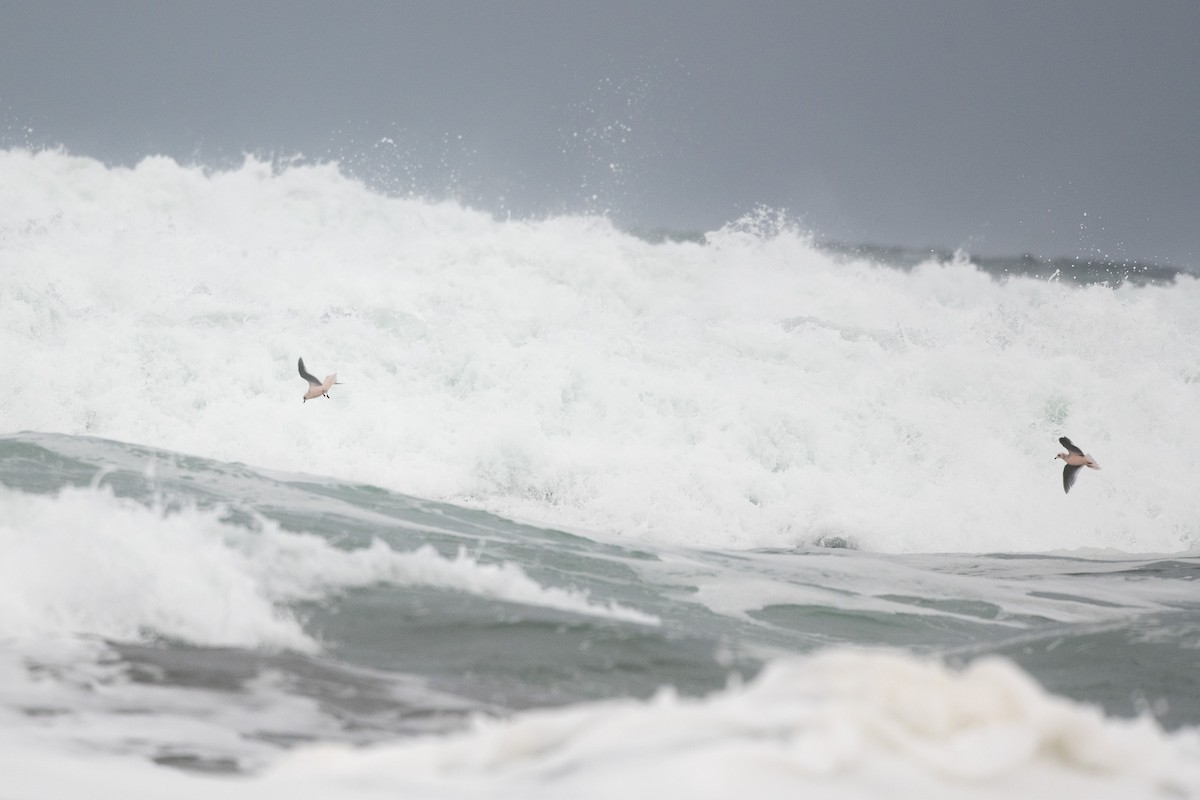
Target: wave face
<point>748,390</point>
<point>131,571</point>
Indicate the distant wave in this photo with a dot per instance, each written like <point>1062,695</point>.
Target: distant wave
<point>1075,269</point>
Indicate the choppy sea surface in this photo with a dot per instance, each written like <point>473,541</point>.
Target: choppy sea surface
<point>589,513</point>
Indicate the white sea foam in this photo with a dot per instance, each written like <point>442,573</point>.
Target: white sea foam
<point>836,725</point>
<point>750,391</point>
<point>87,563</point>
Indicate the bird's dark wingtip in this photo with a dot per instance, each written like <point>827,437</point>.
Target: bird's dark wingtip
<point>1071,446</point>
<point>1069,475</point>
<point>305,374</point>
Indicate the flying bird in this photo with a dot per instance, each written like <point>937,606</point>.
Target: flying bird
<point>1075,459</point>
<point>316,388</point>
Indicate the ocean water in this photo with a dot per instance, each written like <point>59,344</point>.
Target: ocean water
<point>589,513</point>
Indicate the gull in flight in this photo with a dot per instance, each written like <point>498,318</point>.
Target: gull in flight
<point>316,388</point>
<point>1075,459</point>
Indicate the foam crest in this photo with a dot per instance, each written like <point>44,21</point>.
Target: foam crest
<point>750,391</point>
<point>87,563</point>
<point>306,567</point>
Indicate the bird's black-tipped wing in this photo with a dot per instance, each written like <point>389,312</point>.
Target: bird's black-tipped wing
<point>1065,442</point>
<point>1070,473</point>
<point>304,374</point>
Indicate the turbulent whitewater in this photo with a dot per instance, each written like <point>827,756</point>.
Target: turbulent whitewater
<point>588,511</point>
<point>746,391</point>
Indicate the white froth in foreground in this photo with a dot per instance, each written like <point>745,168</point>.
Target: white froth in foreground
<point>748,392</point>
<point>837,725</point>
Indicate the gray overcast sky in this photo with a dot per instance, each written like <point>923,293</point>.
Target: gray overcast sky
<point>1063,127</point>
